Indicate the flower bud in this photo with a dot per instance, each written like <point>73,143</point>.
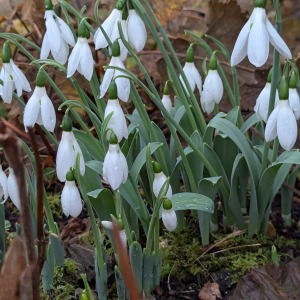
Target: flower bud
<point>113,91</point>
<point>70,175</point>
<point>115,49</point>
<point>6,53</point>
<point>156,167</point>
<point>83,30</point>
<point>67,123</point>
<point>189,57</point>
<point>213,62</point>
<point>283,89</point>
<point>40,78</point>
<point>293,80</point>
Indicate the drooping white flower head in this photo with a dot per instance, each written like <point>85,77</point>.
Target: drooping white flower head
<point>159,180</point>
<point>192,74</point>
<point>115,168</point>
<point>212,88</point>
<point>12,77</point>
<point>294,99</point>
<point>282,121</point>
<point>13,189</point>
<point>67,151</point>
<point>166,99</point>
<point>122,233</point>
<point>3,186</point>
<point>81,58</point>
<point>169,217</point>
<point>70,198</point>
<point>137,34</point>
<point>255,37</point>
<point>39,108</point>
<point>117,121</point>
<point>109,25</point>
<point>57,37</point>
<point>123,84</point>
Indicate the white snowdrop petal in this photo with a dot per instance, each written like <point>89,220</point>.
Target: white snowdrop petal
<point>158,182</point>
<point>196,77</point>
<point>86,62</point>
<point>32,108</point>
<point>48,113</point>
<point>137,34</point>
<point>169,219</point>
<point>261,107</point>
<point>65,31</point>
<point>123,85</point>
<point>123,49</point>
<point>20,77</point>
<point>13,189</point>
<point>217,88</point>
<point>277,41</point>
<point>108,75</point>
<point>53,32</point>
<point>3,183</point>
<point>74,60</point>
<point>62,55</point>
<point>8,84</point>
<point>45,50</point>
<point>167,103</point>
<point>294,101</point>
<point>71,200</point>
<point>286,126</point>
<point>187,69</point>
<point>271,126</point>
<point>258,40</point>
<point>124,167</point>
<point>239,51</point>
<point>107,225</point>
<point>65,158</point>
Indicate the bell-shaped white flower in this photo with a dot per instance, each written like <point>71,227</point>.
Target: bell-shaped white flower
<point>13,79</point>
<point>159,180</point>
<point>169,217</point>
<point>122,233</point>
<point>282,123</point>
<point>167,103</point>
<point>137,34</point>
<point>70,199</point>
<point>192,75</point>
<point>81,58</point>
<point>39,109</point>
<point>261,107</point>
<point>3,185</point>
<point>254,40</point>
<point>294,101</point>
<point>13,189</point>
<point>117,122</point>
<point>123,84</point>
<point>115,168</point>
<point>110,26</point>
<point>57,38</point>
<point>67,152</point>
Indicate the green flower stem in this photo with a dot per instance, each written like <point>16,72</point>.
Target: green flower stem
<point>275,150</point>
<point>173,74</point>
<point>274,83</point>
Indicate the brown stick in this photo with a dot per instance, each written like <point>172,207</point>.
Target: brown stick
<point>39,202</point>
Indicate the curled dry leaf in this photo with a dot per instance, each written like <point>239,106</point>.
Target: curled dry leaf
<point>210,291</point>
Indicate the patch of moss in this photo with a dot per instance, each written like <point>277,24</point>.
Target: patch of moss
<point>65,282</point>
<point>238,255</point>
<point>55,205</point>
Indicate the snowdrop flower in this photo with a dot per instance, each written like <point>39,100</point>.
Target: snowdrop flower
<point>191,73</point>
<point>122,233</point>
<point>109,26</point>
<point>137,34</point>
<point>39,108</point>
<point>12,77</point>
<point>261,107</point>
<point>70,197</point>
<point>57,37</point>
<point>3,186</point>
<point>123,84</point>
<point>255,36</point>
<point>169,217</point>
<point>282,121</point>
<point>115,168</point>
<point>159,180</point>
<point>212,88</point>
<point>294,99</point>
<point>81,58</point>
<point>166,99</point>
<point>67,151</point>
<point>117,121</point>
<point>13,189</point>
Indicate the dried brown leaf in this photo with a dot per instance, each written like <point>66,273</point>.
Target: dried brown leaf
<point>210,291</point>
